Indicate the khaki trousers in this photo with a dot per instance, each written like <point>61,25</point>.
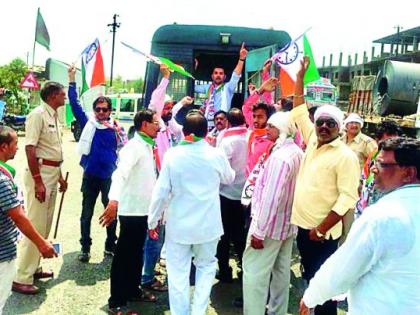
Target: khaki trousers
<point>265,270</point>
<point>41,216</point>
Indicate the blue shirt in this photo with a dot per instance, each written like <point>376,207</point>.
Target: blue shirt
<point>101,161</point>
<point>8,231</point>
<point>228,91</point>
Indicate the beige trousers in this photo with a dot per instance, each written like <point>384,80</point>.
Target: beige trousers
<point>267,269</point>
<point>41,216</point>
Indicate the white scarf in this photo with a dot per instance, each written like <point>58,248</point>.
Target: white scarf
<point>85,141</point>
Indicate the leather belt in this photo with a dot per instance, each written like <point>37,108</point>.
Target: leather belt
<point>50,162</point>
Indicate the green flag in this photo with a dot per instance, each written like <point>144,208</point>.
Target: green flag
<point>174,67</point>
<point>41,33</point>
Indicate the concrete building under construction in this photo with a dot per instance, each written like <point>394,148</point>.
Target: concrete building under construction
<point>401,46</point>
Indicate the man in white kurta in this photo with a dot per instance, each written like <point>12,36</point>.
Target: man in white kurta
<point>189,182</point>
<point>378,265</point>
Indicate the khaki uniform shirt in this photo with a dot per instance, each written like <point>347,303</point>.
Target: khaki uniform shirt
<point>43,131</point>
<point>328,178</point>
<point>362,145</point>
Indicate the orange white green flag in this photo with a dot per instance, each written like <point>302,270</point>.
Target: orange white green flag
<point>93,72</point>
<point>288,59</point>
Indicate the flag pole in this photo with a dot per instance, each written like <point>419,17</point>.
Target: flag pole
<point>36,29</point>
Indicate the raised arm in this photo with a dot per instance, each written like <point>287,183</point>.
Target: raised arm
<point>242,56</point>
<point>157,101</point>
<point>265,75</point>
<point>299,113</point>
<point>173,124</point>
<point>75,105</point>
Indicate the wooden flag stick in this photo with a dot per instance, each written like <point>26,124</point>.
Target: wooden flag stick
<point>61,206</point>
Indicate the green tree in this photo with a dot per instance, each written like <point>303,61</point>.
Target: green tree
<point>10,77</point>
<point>125,86</point>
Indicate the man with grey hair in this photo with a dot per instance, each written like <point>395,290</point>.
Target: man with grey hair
<point>378,265</point>
<point>270,239</point>
<point>326,187</point>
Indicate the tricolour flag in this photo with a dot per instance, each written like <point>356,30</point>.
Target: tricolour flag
<point>161,60</point>
<point>41,33</point>
<point>289,58</point>
<point>93,73</point>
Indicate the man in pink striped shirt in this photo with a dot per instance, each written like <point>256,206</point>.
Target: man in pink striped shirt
<point>270,238</point>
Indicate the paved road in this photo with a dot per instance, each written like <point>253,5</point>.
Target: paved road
<point>79,288</point>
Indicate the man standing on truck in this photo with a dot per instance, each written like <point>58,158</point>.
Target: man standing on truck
<point>101,137</point>
<point>219,94</point>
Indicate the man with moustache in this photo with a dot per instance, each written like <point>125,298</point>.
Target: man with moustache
<point>170,132</point>
<point>326,187</point>
<point>45,156</point>
<point>219,94</point>
<point>137,167</point>
<point>220,124</point>
<point>378,265</point>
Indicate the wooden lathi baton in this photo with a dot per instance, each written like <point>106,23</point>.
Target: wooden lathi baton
<point>61,206</point>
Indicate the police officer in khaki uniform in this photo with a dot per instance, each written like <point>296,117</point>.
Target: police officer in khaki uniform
<point>358,142</point>
<point>45,155</point>
<point>363,146</point>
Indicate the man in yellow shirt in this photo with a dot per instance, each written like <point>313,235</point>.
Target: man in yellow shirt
<point>326,186</point>
<point>358,142</point>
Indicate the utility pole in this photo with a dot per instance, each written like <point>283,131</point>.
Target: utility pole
<point>114,25</point>
<point>398,27</point>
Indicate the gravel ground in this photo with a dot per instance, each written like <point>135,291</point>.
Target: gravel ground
<point>79,288</point>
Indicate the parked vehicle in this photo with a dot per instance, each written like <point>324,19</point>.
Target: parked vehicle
<point>17,122</point>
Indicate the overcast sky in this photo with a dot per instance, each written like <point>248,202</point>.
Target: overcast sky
<point>347,26</point>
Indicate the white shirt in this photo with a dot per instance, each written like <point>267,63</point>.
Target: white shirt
<point>235,149</point>
<point>379,263</point>
<point>134,178</point>
<point>190,179</point>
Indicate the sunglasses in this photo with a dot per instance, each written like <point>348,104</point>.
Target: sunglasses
<point>331,123</point>
<point>101,109</point>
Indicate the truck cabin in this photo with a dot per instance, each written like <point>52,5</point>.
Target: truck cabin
<point>201,48</point>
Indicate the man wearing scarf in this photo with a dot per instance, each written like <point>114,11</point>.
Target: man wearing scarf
<point>101,138</point>
<point>170,132</point>
<point>326,187</point>
<point>189,183</point>
<point>169,135</point>
<point>130,195</point>
<point>270,239</point>
<point>219,94</point>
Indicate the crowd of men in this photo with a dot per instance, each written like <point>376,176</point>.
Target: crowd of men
<point>258,178</point>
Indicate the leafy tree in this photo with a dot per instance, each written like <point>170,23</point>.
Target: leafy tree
<point>125,86</point>
<point>10,77</point>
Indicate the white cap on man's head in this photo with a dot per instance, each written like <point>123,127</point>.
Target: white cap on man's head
<point>353,117</point>
<point>330,111</point>
<point>281,121</point>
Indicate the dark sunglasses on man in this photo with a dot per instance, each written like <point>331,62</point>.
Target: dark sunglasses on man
<point>331,123</point>
<point>101,109</point>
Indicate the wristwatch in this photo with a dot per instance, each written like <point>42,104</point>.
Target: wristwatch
<point>318,233</point>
